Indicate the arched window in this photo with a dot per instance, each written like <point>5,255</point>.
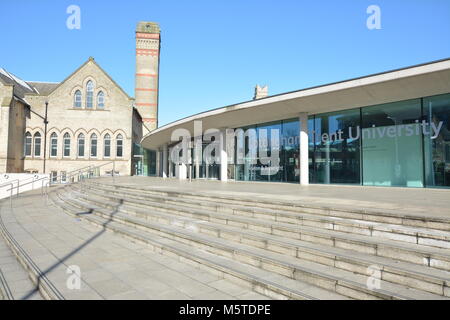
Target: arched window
<point>53,145</point>
<point>81,145</point>
<point>101,100</point>
<point>27,144</point>
<point>66,139</point>
<point>94,145</point>
<point>119,146</point>
<point>37,144</point>
<point>107,146</point>
<point>77,99</point>
<point>90,95</point>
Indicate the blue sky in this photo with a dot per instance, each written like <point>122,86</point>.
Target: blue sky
<point>214,51</point>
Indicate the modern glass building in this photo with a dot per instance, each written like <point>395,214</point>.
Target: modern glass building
<point>405,144</point>
<point>388,129</point>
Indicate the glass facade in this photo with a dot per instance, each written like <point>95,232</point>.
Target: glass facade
<point>404,143</point>
<point>436,111</point>
<point>392,144</point>
<point>144,161</point>
<point>335,147</point>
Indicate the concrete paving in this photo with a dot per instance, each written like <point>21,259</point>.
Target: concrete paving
<point>427,202</point>
<point>17,284</point>
<point>111,267</point>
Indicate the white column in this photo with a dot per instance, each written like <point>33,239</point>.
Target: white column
<point>169,163</point>
<point>198,158</point>
<point>165,152</point>
<point>197,150</point>
<point>182,171</point>
<point>303,155</point>
<point>223,156</point>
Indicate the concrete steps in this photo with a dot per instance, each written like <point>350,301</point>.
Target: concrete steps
<point>409,274</point>
<point>389,230</point>
<point>383,216</point>
<point>339,271</point>
<point>270,284</point>
<point>408,252</point>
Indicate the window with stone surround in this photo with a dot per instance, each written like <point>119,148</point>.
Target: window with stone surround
<point>77,99</point>
<point>37,144</point>
<point>101,100</point>
<point>119,146</point>
<point>27,144</point>
<point>107,146</point>
<point>81,145</point>
<point>90,95</point>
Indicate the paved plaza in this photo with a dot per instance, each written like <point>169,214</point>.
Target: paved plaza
<point>111,267</point>
<point>154,238</point>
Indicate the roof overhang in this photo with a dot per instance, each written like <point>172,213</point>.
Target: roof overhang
<point>408,83</point>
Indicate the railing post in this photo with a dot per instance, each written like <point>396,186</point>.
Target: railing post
<point>114,172</point>
<point>10,195</point>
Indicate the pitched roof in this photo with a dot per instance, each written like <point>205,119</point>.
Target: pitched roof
<point>91,59</point>
<point>44,88</point>
<point>21,87</point>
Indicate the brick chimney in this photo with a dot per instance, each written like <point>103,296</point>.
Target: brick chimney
<point>147,73</point>
<point>261,92</point>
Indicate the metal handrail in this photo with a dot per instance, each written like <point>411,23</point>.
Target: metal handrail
<point>19,182</point>
<point>49,179</point>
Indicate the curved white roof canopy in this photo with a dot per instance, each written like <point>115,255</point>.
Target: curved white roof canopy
<point>408,83</point>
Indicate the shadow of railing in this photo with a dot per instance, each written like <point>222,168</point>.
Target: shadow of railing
<point>79,248</point>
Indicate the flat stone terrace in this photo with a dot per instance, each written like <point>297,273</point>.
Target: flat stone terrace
<point>427,202</point>
<point>111,267</point>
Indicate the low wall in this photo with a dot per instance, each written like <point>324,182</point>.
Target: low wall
<point>27,182</point>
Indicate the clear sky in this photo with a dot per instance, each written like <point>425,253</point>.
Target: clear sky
<point>215,51</point>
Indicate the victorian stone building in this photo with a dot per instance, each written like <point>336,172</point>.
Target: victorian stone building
<point>91,120</point>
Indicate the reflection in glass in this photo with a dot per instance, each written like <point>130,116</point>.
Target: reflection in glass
<point>392,147</point>
<point>336,147</point>
<point>437,144</point>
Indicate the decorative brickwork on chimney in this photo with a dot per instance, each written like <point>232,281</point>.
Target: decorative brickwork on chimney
<point>148,45</point>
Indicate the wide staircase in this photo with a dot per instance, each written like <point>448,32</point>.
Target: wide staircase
<point>278,249</point>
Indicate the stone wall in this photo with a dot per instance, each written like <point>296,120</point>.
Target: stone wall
<point>63,117</point>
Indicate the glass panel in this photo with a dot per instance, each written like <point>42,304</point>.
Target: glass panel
<point>89,94</point>
<point>94,147</point>
<point>28,142</point>
<point>81,145</point>
<point>290,151</point>
<point>100,100</point>
<point>119,148</point>
<point>77,101</point>
<point>392,144</point>
<point>54,147</point>
<point>437,140</point>
<point>107,150</point>
<point>336,145</point>
<point>149,162</point>
<point>268,167</point>
<point>37,144</point>
<point>250,143</point>
<point>66,145</point>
